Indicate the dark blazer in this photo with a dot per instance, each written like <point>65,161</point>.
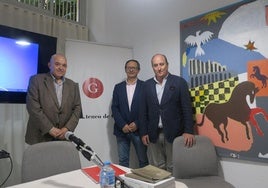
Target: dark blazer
<point>120,109</point>
<point>44,110</point>
<point>175,109</point>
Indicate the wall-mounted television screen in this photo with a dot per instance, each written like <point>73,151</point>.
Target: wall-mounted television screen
<point>22,54</point>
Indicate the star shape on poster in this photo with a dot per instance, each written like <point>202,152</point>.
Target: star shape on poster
<point>213,17</point>
<point>250,46</point>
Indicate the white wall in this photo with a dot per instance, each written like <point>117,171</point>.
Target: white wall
<point>148,26</point>
<point>151,26</point>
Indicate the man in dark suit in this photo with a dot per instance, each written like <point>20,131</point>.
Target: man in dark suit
<point>125,109</point>
<point>165,113</point>
<point>53,103</point>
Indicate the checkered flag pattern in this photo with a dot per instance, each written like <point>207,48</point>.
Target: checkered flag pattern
<point>217,92</point>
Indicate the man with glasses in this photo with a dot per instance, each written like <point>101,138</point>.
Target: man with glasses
<point>125,109</point>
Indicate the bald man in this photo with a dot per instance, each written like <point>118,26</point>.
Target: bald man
<point>53,103</point>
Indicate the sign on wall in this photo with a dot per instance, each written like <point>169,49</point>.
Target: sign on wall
<point>97,68</point>
<point>224,59</point>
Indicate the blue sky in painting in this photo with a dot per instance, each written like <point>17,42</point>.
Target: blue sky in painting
<point>233,57</point>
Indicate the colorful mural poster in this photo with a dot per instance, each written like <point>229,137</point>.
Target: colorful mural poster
<point>224,58</point>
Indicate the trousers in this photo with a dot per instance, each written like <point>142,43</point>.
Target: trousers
<point>123,146</point>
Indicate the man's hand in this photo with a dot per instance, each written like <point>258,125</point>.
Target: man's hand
<point>145,140</point>
<point>126,129</point>
<point>62,133</point>
<point>58,133</point>
<point>132,127</point>
<point>189,139</point>
<point>54,132</point>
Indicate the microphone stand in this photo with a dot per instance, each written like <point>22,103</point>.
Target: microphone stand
<point>122,182</point>
<point>91,156</point>
<point>85,153</point>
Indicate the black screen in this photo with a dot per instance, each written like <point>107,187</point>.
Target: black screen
<point>22,54</point>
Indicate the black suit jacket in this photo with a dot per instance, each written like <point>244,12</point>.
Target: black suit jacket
<point>120,108</point>
<point>175,109</point>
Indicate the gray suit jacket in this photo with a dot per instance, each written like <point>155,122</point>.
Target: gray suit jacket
<point>44,110</point>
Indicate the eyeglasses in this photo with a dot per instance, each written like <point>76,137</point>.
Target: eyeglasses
<point>131,68</point>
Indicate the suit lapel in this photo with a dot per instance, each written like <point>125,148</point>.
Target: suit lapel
<point>51,89</point>
<point>167,90</point>
<point>153,92</point>
<point>124,94</point>
<point>136,92</point>
<point>65,93</point>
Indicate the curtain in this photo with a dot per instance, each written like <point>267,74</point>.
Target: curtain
<point>13,16</point>
<point>14,116</point>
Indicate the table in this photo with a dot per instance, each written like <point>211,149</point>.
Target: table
<point>73,179</point>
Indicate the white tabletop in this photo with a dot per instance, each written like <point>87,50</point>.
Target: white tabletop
<point>73,179</point>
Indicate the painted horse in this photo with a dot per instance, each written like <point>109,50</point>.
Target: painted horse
<point>236,108</point>
<point>257,74</point>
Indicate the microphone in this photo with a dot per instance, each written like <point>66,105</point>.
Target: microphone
<point>4,154</point>
<point>70,136</point>
<point>89,154</point>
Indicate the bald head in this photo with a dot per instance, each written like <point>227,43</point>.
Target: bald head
<point>58,65</point>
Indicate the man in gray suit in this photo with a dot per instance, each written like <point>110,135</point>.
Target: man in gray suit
<point>53,103</point>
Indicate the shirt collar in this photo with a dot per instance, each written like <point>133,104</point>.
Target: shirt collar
<point>54,79</point>
<point>165,78</point>
<point>131,83</point>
